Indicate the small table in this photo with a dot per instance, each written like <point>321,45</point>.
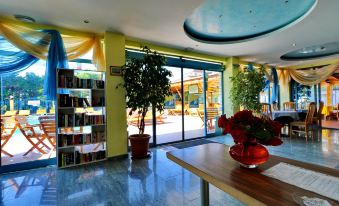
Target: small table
<point>212,163</point>
<point>293,114</point>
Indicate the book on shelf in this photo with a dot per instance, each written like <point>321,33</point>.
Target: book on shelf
<point>65,120</point>
<point>70,81</point>
<point>65,158</point>
<point>65,140</point>
<point>98,101</point>
<point>89,157</point>
<point>65,100</point>
<point>98,136</point>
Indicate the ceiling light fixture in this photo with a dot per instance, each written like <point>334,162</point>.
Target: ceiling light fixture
<point>24,18</point>
<point>294,44</point>
<point>86,21</point>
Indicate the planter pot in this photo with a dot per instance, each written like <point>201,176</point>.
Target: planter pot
<point>249,154</point>
<point>139,145</point>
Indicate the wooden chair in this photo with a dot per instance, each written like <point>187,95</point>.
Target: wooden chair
<point>10,113</point>
<point>289,106</point>
<point>41,112</point>
<point>8,127</point>
<point>211,114</point>
<point>318,118</point>
<point>24,112</point>
<point>47,125</point>
<point>266,110</point>
<point>35,138</point>
<point>275,106</point>
<point>304,127</point>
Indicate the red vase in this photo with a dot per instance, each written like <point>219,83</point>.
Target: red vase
<point>249,154</point>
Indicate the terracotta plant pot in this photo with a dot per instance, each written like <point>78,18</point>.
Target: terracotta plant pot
<point>139,145</point>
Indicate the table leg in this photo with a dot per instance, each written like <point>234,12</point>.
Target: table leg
<point>204,190</point>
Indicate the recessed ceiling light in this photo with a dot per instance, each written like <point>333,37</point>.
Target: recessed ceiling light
<point>86,21</point>
<point>294,44</point>
<point>24,18</point>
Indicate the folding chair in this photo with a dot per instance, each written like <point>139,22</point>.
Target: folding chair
<point>8,127</point>
<point>33,137</point>
<point>47,125</point>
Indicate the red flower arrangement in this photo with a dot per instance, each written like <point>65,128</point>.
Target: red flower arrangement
<point>245,127</point>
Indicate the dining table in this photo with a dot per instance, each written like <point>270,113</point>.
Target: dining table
<point>213,165</point>
<point>283,113</point>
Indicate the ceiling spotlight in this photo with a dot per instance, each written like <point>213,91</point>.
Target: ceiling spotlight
<point>86,21</point>
<point>294,44</point>
<point>24,18</point>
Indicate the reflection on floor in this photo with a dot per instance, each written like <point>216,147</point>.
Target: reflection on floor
<point>154,181</point>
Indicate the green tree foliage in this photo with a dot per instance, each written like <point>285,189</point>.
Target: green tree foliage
<point>23,87</point>
<point>246,88</point>
<point>147,84</point>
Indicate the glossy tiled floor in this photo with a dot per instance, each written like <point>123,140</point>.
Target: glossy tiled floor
<point>154,181</point>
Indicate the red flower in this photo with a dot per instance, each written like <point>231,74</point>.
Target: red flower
<point>221,120</point>
<point>245,127</point>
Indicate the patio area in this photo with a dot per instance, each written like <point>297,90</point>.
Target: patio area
<point>18,145</point>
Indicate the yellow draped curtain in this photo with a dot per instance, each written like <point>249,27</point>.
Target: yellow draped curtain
<point>313,76</point>
<point>36,43</point>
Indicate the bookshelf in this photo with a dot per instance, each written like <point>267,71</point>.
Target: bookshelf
<point>81,117</point>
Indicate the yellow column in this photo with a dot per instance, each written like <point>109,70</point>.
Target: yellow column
<point>231,69</point>
<point>329,95</point>
<point>115,98</point>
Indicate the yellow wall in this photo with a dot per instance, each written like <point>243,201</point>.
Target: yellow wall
<point>115,98</point>
<point>230,70</point>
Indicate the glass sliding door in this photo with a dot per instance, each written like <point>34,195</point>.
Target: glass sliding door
<point>169,122</point>
<point>25,114</point>
<point>194,103</point>
<point>213,88</point>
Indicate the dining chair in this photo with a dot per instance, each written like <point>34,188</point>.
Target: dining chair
<point>318,118</point>
<point>47,125</point>
<point>8,127</point>
<point>289,106</point>
<point>32,135</point>
<point>304,126</point>
<point>266,110</point>
<point>275,106</point>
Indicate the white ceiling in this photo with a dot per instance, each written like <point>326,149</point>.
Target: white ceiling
<point>161,22</point>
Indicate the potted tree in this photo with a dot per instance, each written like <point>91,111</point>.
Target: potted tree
<point>246,89</point>
<point>147,85</point>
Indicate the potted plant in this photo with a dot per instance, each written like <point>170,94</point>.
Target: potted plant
<point>147,85</point>
<point>246,87</point>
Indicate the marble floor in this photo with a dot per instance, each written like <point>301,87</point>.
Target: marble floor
<point>153,181</point>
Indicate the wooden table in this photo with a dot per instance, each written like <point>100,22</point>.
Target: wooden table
<point>212,163</point>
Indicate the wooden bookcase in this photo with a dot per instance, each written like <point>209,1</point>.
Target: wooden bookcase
<point>81,117</point>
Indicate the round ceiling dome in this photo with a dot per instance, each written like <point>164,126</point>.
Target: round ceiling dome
<point>312,52</point>
<point>227,21</point>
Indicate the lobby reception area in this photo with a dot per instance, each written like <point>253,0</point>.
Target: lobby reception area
<point>174,103</point>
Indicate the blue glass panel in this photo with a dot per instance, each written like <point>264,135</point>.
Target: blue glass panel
<point>236,20</point>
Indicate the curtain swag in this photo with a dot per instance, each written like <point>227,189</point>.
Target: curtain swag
<point>36,43</point>
<point>313,76</point>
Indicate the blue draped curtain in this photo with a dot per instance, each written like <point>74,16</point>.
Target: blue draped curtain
<point>275,95</point>
<point>13,59</point>
<point>56,59</point>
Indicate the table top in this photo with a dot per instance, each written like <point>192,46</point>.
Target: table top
<point>212,163</point>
